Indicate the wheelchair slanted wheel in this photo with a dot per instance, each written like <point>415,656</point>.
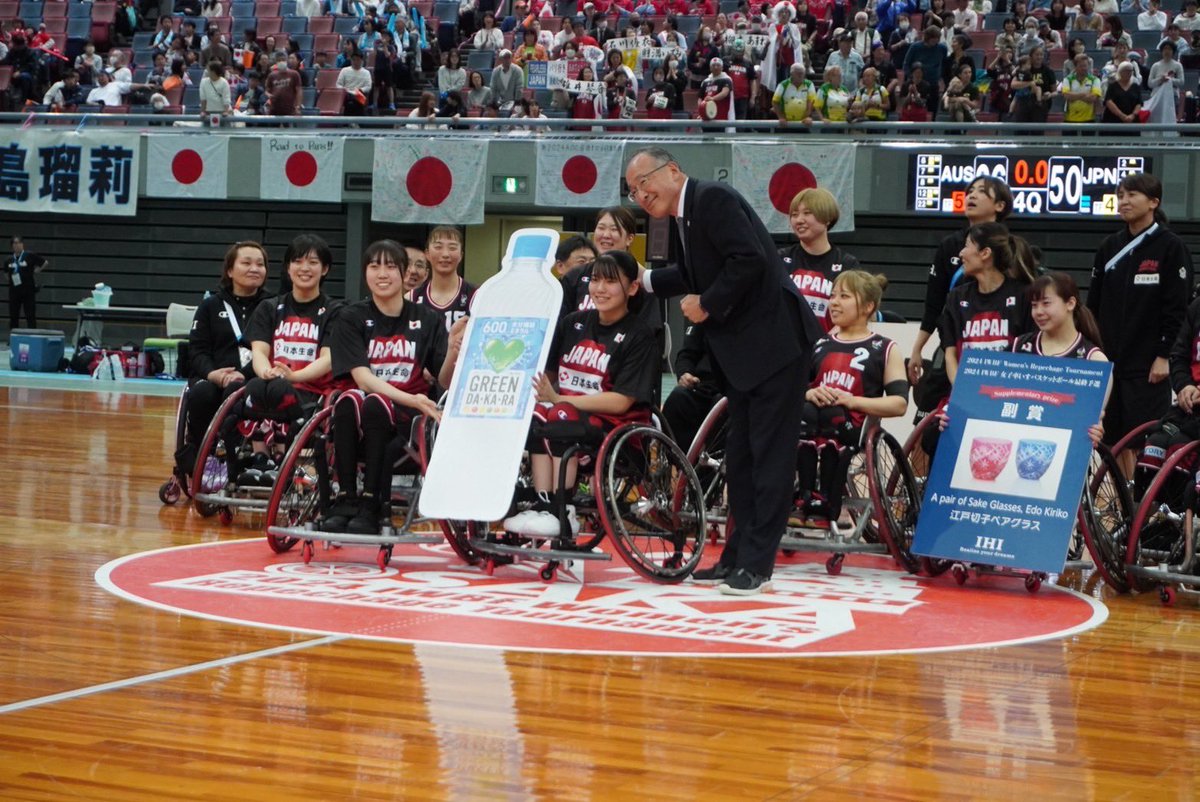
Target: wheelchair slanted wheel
<point>206,510</point>
<point>896,497</point>
<point>960,573</point>
<point>383,557</point>
<point>1105,515</point>
<point>303,484</point>
<point>1166,594</point>
<point>307,552</point>
<point>651,503</point>
<point>833,566</point>
<point>225,514</point>
<point>489,566</point>
<point>169,492</point>
<point>549,572</point>
<point>1033,583</point>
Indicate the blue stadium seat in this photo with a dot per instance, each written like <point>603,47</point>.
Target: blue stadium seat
<point>142,40</point>
<point>480,59</point>
<point>31,11</point>
<point>141,74</point>
<point>348,25</point>
<point>303,40</point>
<point>79,10</point>
<point>310,97</point>
<point>79,28</point>
<point>295,25</point>
<point>191,98</point>
<point>240,8</point>
<point>287,8</point>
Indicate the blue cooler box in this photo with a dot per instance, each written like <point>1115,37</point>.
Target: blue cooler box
<point>35,349</point>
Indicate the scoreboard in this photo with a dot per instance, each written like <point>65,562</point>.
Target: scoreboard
<point>1041,184</point>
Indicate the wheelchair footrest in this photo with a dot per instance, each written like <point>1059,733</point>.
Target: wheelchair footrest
<point>535,551</point>
<point>1165,574</point>
<point>792,543</point>
<point>394,539</point>
<point>223,499</point>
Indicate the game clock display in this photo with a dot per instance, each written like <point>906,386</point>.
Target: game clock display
<point>1041,184</point>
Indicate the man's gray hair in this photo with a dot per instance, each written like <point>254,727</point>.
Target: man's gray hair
<point>660,156</point>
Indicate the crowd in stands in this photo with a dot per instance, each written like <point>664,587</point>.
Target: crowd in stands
<point>809,61</point>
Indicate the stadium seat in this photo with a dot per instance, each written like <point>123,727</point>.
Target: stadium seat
<point>446,10</point>
<point>330,101</point>
<point>345,25</point>
<point>303,40</point>
<point>287,8</point>
<point>480,59</point>
<point>30,10</point>
<point>295,24</point>
<point>73,10</point>
<point>191,98</point>
<point>327,79</point>
<point>54,10</point>
<point>310,97</point>
<point>331,43</point>
<point>269,26</point>
<point>239,9</point>
<point>320,24</point>
<point>142,40</point>
<point>267,8</point>
<point>103,14</point>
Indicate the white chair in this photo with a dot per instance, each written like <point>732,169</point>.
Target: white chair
<point>179,324</point>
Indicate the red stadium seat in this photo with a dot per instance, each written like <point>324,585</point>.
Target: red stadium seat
<point>318,25</point>
<point>327,79</point>
<point>330,102</point>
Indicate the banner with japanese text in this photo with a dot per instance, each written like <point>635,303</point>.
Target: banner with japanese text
<point>1008,474</point>
<point>67,172</point>
<point>770,176</point>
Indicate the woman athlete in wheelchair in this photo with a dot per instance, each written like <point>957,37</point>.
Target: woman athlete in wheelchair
<point>595,408</point>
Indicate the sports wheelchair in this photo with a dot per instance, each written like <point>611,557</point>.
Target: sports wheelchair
<point>882,500</point>
<point>1101,524</point>
<point>1161,548</point>
<point>641,494</point>
<point>180,482</point>
<point>307,486</point>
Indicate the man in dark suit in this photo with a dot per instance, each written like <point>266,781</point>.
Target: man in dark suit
<point>759,333</point>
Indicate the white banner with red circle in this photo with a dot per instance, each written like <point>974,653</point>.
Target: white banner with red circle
<point>430,181</point>
<point>770,176</point>
<point>576,173</point>
<point>187,166</point>
<point>301,168</point>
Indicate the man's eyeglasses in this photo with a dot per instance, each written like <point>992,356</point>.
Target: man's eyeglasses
<point>641,183</point>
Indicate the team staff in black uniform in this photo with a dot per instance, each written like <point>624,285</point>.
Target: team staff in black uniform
<point>23,267</point>
<point>1181,424</point>
<point>383,346</point>
<point>218,350</point>
<point>760,335</point>
<point>988,200</point>
<point>814,261</point>
<point>1141,280</point>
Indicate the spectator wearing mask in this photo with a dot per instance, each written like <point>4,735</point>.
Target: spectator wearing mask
<point>283,88</point>
<point>745,81</point>
<point>901,38</point>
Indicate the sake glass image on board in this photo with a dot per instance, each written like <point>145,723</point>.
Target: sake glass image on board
<point>989,455</point>
<point>1034,457</point>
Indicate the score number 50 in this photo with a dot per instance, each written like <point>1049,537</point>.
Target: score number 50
<point>1057,186</point>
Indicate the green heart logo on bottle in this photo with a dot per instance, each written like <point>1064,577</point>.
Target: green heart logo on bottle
<point>501,354</point>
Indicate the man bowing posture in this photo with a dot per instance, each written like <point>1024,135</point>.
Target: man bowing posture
<point>760,334</point>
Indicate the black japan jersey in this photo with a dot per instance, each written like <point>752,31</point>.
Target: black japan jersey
<point>295,331</point>
<point>855,366</point>
<point>396,349</point>
<point>814,275</point>
<point>592,358</point>
<point>459,306</point>
<point>992,321</point>
<point>1031,343</point>
<point>1184,359</point>
<point>576,298</point>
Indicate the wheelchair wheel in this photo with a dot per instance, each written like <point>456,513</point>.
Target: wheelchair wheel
<point>457,533</point>
<point>858,486</point>
<point>1133,442</point>
<point>895,497</point>
<point>1156,536</point>
<point>651,503</point>
<point>211,473</point>
<point>302,488</point>
<point>1104,517</point>
<point>707,457</point>
<point>919,460</point>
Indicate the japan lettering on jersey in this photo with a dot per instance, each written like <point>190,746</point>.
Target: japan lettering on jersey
<point>988,331</point>
<point>296,340</point>
<point>853,366</point>
<point>990,321</point>
<point>458,307</point>
<point>394,359</point>
<point>711,87</point>
<point>816,288</point>
<point>583,370</point>
<point>740,75</point>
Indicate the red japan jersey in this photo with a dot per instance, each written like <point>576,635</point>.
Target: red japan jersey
<point>294,330</point>
<point>459,306</point>
<point>397,349</point>
<point>711,87</point>
<point>854,366</point>
<point>814,276</point>
<point>992,321</point>
<point>1082,348</point>
<point>584,107</point>
<point>741,74</point>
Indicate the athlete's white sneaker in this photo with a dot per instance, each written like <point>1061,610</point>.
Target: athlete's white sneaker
<point>543,524</point>
<point>572,519</point>
<point>519,524</point>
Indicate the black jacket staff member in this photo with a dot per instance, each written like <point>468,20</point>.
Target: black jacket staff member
<point>1141,281</point>
<point>23,267</point>
<point>759,332</point>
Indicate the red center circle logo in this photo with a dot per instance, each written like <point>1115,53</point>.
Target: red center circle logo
<point>427,595</point>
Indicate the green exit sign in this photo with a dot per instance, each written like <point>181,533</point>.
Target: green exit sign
<point>510,185</point>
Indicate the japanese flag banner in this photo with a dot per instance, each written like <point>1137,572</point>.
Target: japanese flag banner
<point>187,166</point>
<point>62,172</point>
<point>430,181</point>
<point>769,176</point>
<point>301,168</point>
<point>579,173</point>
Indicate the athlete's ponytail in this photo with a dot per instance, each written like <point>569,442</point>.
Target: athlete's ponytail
<point>1011,255</point>
<point>1065,287</point>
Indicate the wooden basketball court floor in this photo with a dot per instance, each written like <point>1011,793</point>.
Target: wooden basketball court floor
<point>103,699</point>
